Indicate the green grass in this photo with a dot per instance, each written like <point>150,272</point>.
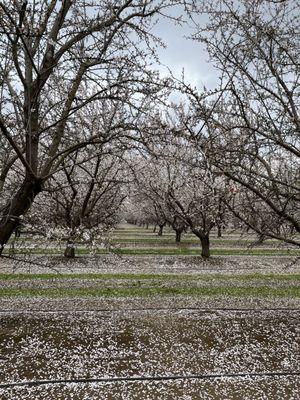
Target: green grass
<point>185,241</point>
<point>214,252</point>
<point>136,290</point>
<point>158,241</point>
<point>51,251</point>
<point>180,251</point>
<point>147,292</point>
<point>162,277</point>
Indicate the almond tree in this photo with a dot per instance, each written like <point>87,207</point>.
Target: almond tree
<point>184,187</point>
<point>83,199</point>
<point>55,58</point>
<point>252,123</point>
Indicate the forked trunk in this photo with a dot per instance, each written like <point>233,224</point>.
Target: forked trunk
<point>17,207</point>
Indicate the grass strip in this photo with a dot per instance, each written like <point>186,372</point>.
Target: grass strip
<point>196,252</point>
<point>165,252</point>
<point>148,292</point>
<point>161,277</point>
<point>185,241</point>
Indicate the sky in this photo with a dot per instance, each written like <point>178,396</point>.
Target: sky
<point>183,53</point>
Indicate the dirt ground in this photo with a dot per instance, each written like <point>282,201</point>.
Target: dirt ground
<point>151,264</point>
<point>151,348</point>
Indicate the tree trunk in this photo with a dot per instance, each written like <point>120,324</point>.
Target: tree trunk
<point>154,229</point>
<point>219,231</point>
<point>70,250</point>
<point>17,207</point>
<point>178,235</point>
<point>160,231</point>
<point>261,238</point>
<point>205,252</point>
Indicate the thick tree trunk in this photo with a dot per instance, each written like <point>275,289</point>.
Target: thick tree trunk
<point>178,235</point>
<point>205,245</point>
<point>17,207</point>
<point>70,250</point>
<point>205,252</point>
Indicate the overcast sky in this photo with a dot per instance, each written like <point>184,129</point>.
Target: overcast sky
<point>185,53</point>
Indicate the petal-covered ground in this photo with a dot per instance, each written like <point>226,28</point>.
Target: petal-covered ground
<point>152,343</point>
<point>151,264</point>
<point>230,346</point>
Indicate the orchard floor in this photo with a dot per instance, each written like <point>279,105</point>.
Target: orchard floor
<point>200,344</point>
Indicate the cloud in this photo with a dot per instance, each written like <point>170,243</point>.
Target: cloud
<point>183,53</point>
